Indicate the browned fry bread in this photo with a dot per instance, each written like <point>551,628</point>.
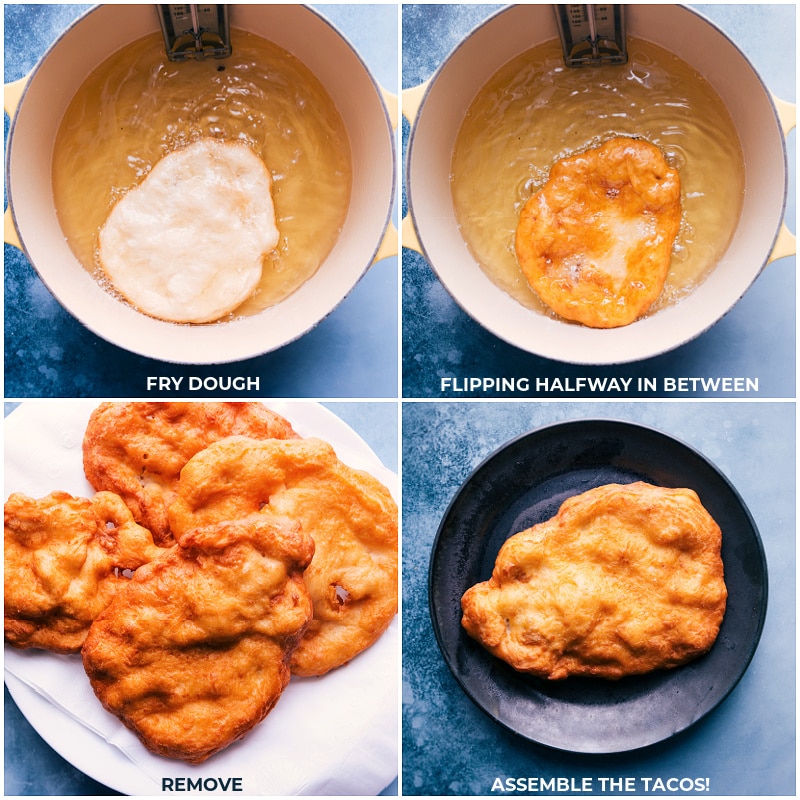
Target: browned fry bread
<point>595,242</point>
<point>138,449</point>
<point>625,579</point>
<point>350,515</point>
<point>195,651</point>
<point>65,558</point>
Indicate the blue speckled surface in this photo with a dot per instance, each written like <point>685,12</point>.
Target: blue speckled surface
<point>757,338</point>
<point>745,747</point>
<point>352,353</point>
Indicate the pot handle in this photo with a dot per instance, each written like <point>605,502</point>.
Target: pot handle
<point>411,101</point>
<point>785,245</point>
<point>12,94</point>
<point>10,235</point>
<point>390,245</point>
<point>786,242</point>
<point>409,234</point>
<point>787,114</point>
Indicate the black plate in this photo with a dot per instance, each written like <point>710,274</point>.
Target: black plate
<point>524,483</point>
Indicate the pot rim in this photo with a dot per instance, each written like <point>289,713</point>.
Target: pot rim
<point>205,350</point>
<point>575,358</point>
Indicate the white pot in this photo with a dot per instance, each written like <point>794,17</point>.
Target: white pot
<point>438,109</point>
<point>37,105</point>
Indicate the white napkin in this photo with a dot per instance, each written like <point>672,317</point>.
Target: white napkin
<point>333,735</point>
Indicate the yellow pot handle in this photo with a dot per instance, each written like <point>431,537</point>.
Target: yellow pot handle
<point>785,245</point>
<point>389,247</point>
<point>786,242</point>
<point>12,94</point>
<point>410,238</point>
<point>412,100</point>
<point>787,114</point>
<point>10,235</point>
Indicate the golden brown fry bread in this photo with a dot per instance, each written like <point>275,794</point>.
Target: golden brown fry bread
<point>195,651</point>
<point>64,559</point>
<point>138,449</point>
<point>596,242</point>
<point>350,515</point>
<point>622,581</point>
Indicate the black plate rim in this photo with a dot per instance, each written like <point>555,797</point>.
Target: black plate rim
<point>630,426</point>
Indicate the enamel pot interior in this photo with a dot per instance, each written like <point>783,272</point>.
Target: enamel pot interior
<point>452,89</point>
<point>93,38</point>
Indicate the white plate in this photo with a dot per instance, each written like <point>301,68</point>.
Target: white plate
<point>334,735</point>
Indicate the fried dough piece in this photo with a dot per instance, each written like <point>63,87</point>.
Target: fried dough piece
<point>625,579</point>
<point>195,651</point>
<point>64,560</point>
<point>138,449</point>
<point>350,515</point>
<point>187,244</point>
<point>595,242</point>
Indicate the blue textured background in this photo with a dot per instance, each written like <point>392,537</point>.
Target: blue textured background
<point>746,746</point>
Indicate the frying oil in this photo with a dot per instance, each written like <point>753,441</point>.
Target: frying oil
<point>535,110</point>
<point>137,106</point>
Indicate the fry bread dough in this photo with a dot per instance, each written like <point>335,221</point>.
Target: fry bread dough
<point>596,242</point>
<point>64,559</point>
<point>138,449</point>
<point>622,581</point>
<point>187,244</point>
<point>350,515</point>
<point>194,652</point>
